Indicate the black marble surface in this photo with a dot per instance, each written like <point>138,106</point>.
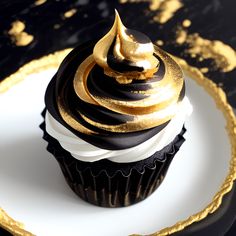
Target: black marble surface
<point>52,31</point>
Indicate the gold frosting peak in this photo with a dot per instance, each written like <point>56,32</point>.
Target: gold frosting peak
<point>126,45</point>
<point>127,56</point>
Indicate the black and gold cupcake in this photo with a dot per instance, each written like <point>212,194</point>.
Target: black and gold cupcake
<point>114,117</point>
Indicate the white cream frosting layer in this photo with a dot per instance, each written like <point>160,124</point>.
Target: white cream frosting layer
<point>84,151</point>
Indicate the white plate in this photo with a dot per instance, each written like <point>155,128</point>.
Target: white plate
<point>33,190</point>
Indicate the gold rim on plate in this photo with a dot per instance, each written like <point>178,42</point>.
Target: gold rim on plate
<point>53,61</point>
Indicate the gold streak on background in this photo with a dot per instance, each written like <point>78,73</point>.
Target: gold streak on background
<point>223,55</point>
<point>17,34</point>
<point>16,27</point>
<point>70,13</point>
<point>181,36</point>
<point>165,9</point>
<point>40,2</point>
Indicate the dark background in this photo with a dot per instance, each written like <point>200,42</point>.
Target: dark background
<point>52,31</point>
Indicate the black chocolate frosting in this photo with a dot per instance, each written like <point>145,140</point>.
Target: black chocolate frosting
<point>106,140</point>
<point>117,92</point>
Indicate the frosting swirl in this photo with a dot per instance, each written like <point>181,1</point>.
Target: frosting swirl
<point>118,92</point>
<point>124,50</point>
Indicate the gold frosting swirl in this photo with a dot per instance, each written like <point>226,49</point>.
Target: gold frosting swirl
<point>161,94</point>
<point>161,99</point>
<point>126,47</point>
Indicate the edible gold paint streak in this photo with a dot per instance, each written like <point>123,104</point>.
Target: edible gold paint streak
<point>72,121</point>
<point>52,61</point>
<point>127,77</point>
<point>80,80</point>
<point>165,8</point>
<point>70,13</point>
<point>136,108</point>
<point>132,126</point>
<point>223,56</point>
<point>39,2</point>
<point>18,36</point>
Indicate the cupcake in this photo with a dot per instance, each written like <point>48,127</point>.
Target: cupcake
<point>114,117</point>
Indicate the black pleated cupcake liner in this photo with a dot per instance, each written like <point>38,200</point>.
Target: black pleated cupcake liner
<point>125,185</point>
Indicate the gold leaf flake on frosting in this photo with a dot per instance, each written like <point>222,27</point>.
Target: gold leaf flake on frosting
<point>165,8</point>
<point>18,36</point>
<point>223,55</point>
